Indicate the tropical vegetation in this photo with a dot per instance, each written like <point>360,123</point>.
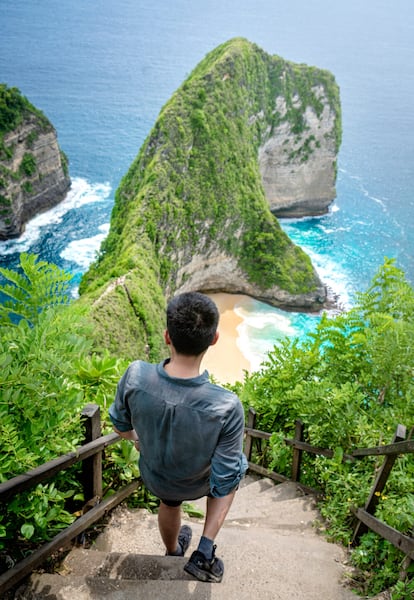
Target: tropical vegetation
<point>350,382</point>
<point>19,168</point>
<point>195,187</point>
<point>14,108</point>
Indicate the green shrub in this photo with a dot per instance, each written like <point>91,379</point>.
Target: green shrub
<point>351,383</point>
<point>48,373</point>
<point>14,107</point>
<point>28,165</point>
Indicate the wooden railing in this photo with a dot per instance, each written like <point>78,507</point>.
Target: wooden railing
<point>90,454</point>
<point>365,518</point>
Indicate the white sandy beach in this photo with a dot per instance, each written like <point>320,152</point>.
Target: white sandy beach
<point>225,361</point>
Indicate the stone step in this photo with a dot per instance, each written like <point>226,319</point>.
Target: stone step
<point>268,546</point>
<point>136,530</point>
<point>132,530</point>
<point>257,498</point>
<point>296,513</point>
<point>50,587</point>
<point>268,489</point>
<point>281,504</point>
<point>119,565</point>
<point>266,563</point>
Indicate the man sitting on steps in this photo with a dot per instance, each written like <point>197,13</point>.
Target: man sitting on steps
<point>189,431</point>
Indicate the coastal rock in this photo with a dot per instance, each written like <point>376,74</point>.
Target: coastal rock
<point>299,169</point>
<point>195,211</point>
<point>33,172</point>
<point>219,272</point>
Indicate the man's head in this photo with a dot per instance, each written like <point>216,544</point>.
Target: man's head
<point>192,320</point>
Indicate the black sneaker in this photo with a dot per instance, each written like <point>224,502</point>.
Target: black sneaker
<point>184,540</point>
<point>203,569</point>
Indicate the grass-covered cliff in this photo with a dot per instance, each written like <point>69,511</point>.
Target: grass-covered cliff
<point>33,170</point>
<point>191,212</point>
<point>14,108</point>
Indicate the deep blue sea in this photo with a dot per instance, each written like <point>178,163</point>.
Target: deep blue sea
<point>101,71</point>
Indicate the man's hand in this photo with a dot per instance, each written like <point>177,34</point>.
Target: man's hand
<point>129,435</point>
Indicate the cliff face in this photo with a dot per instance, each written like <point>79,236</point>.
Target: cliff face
<point>220,272</point>
<point>299,169</point>
<point>33,171</point>
<point>193,211</point>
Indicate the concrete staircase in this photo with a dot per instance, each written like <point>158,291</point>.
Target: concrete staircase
<point>268,544</point>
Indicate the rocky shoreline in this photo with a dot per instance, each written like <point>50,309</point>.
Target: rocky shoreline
<point>33,174</point>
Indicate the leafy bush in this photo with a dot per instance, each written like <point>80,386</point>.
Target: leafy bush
<point>48,373</point>
<point>13,107</point>
<point>28,164</point>
<point>351,383</point>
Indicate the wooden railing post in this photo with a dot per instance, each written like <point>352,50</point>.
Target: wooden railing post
<point>379,484</point>
<point>251,422</point>
<point>92,467</point>
<point>297,452</point>
<point>407,560</point>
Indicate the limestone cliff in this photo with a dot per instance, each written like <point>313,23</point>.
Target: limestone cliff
<point>299,169</point>
<point>33,170</point>
<point>192,214</point>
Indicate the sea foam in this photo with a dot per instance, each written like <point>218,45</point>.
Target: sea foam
<point>261,328</point>
<point>83,252</point>
<point>81,192</point>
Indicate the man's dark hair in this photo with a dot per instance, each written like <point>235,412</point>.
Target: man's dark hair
<point>192,320</point>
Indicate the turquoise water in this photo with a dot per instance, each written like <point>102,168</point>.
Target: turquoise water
<point>102,71</point>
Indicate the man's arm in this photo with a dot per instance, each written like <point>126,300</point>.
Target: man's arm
<point>228,463</point>
<point>129,435</point>
<point>119,413</point>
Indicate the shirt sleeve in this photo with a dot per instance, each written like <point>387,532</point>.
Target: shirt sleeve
<point>228,464</point>
<point>119,412</point>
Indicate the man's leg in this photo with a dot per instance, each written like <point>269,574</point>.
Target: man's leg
<point>217,509</point>
<point>203,564</point>
<point>169,523</point>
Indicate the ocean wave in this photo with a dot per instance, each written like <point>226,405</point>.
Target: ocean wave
<point>83,252</point>
<point>380,201</point>
<point>329,230</point>
<point>261,328</point>
<point>81,192</point>
<point>333,276</point>
<point>364,190</point>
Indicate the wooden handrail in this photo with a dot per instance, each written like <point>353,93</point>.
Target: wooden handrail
<point>25,481</point>
<point>364,516</point>
<point>397,539</point>
<point>28,564</point>
<point>295,443</point>
<point>405,447</point>
<point>91,456</point>
<point>93,448</point>
<point>256,433</point>
<point>379,484</point>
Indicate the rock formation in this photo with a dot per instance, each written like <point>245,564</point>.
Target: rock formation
<point>33,170</point>
<point>220,272</point>
<point>194,210</point>
<point>299,170</point>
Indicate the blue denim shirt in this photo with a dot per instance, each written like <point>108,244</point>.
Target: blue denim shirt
<point>190,431</point>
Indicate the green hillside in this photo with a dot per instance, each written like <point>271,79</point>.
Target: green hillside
<point>195,189</point>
